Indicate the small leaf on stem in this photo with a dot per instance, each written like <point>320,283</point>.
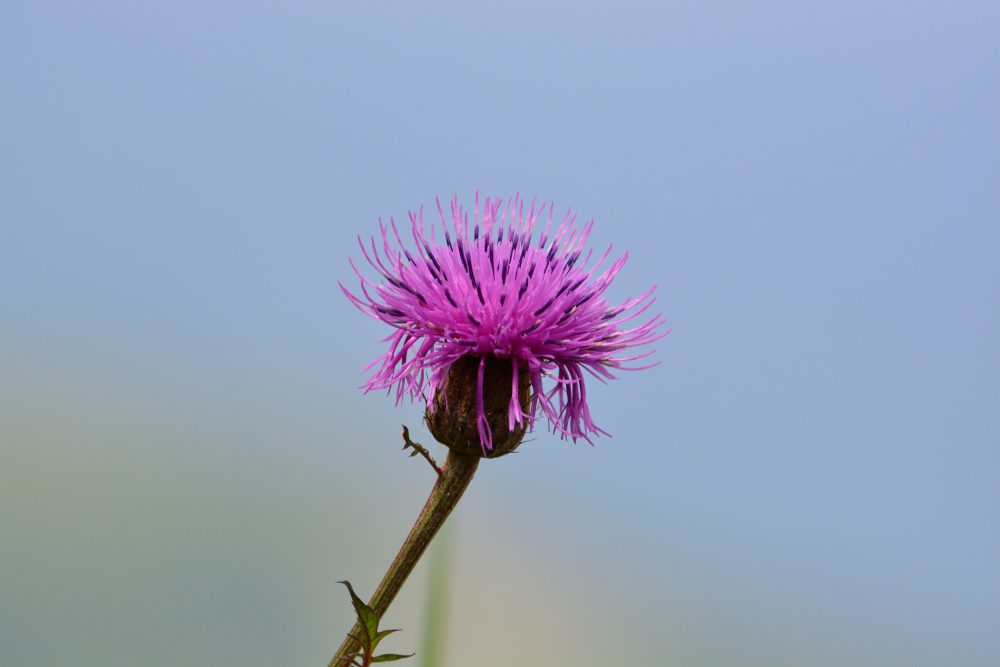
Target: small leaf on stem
<point>382,634</point>
<point>390,657</point>
<point>366,616</point>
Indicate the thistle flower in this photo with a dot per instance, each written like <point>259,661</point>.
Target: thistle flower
<point>495,326</point>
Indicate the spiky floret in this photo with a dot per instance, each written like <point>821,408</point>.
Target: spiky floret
<point>490,288</point>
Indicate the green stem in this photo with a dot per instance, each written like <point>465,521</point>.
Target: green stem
<point>455,477</point>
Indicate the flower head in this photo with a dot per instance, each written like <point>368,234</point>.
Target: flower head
<point>494,297</point>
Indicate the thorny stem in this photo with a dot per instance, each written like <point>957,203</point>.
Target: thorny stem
<point>455,476</point>
<point>419,449</point>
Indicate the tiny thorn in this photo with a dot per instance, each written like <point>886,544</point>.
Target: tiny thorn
<point>420,449</point>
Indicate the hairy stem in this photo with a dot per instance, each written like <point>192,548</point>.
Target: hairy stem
<point>454,478</point>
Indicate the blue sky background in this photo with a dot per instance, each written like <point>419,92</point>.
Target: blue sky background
<point>811,476</point>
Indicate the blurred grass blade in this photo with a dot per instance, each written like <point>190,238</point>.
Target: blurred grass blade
<point>438,590</point>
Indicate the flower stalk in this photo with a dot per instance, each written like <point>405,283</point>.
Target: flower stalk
<point>452,481</point>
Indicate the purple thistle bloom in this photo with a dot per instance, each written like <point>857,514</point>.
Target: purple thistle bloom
<point>490,290</point>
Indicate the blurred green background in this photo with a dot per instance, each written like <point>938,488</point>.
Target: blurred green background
<point>811,477</point>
